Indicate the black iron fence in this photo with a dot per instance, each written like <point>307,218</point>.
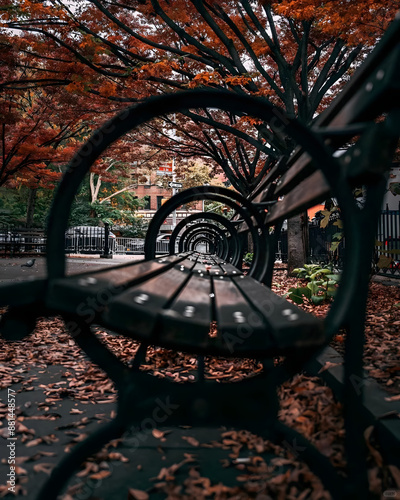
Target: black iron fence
<point>323,243</point>
<point>21,240</point>
<point>91,240</point>
<point>387,249</point>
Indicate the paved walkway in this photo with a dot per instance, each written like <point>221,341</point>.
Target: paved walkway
<point>66,421</point>
<point>11,270</point>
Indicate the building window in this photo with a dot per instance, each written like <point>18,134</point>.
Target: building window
<point>147,200</point>
<point>159,201</point>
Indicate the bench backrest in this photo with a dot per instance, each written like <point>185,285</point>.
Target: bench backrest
<point>294,183</point>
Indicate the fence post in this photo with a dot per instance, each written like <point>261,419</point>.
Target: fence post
<point>106,253</point>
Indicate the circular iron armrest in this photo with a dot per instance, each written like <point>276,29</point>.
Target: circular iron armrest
<point>333,170</point>
<point>139,114</point>
<point>211,216</point>
<point>204,228</point>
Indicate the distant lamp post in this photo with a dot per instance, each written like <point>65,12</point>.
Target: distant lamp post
<point>107,252</point>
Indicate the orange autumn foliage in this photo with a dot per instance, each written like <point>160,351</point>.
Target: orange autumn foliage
<point>297,54</point>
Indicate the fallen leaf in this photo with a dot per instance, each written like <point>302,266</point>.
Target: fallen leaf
<point>20,471</point>
<point>393,398</point>
<point>191,440</point>
<point>157,434</point>
<point>46,468</point>
<point>101,475</point>
<point>34,442</point>
<point>328,365</point>
<point>134,494</point>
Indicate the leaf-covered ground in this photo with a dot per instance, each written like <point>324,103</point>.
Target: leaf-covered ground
<point>382,328</point>
<point>61,397</point>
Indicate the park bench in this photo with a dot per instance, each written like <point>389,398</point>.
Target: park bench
<point>173,300</point>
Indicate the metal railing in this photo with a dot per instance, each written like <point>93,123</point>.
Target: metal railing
<point>387,249</point>
<point>91,240</point>
<point>319,245</point>
<point>21,240</point>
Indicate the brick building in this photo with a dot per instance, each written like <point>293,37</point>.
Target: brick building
<point>154,193</point>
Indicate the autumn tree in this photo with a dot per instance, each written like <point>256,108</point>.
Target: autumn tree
<point>40,125</point>
<point>295,54</point>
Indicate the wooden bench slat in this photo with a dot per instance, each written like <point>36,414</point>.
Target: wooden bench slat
<point>229,269</point>
<point>290,326</point>
<point>187,321</point>
<point>205,267</point>
<point>237,320</point>
<point>73,293</point>
<point>311,191</point>
<point>136,310</point>
<point>297,173</point>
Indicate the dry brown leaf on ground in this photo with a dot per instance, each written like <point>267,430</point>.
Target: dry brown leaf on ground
<point>100,475</point>
<point>43,467</point>
<point>157,434</point>
<point>34,442</point>
<point>134,494</point>
<point>191,440</point>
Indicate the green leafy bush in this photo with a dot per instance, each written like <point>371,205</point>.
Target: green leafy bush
<point>248,258</point>
<point>321,284</point>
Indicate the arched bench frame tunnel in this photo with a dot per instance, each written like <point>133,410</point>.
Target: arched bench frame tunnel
<point>127,120</point>
<point>203,240</point>
<point>357,232</point>
<point>235,240</point>
<point>214,234</point>
<point>263,253</point>
<point>205,228</point>
<point>131,118</point>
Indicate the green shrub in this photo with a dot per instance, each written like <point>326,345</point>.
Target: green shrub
<point>321,284</point>
<point>248,258</point>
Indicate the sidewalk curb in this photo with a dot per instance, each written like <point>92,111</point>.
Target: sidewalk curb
<point>383,415</point>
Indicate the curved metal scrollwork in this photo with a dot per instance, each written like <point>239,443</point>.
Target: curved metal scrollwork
<point>139,114</point>
<point>234,240</point>
<point>251,216</point>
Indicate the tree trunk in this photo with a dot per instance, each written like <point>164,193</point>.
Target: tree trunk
<point>305,236</point>
<point>31,207</point>
<point>296,250</point>
<point>250,245</point>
